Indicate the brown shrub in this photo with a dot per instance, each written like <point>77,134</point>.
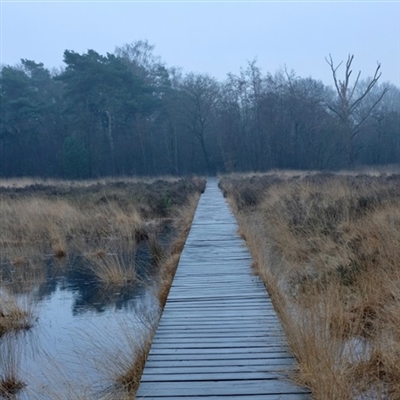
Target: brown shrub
<point>328,248</point>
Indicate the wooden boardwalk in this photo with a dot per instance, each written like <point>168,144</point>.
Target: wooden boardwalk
<point>219,336</point>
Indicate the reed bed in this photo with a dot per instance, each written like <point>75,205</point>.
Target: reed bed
<point>39,220</point>
<point>103,224</point>
<point>328,248</point>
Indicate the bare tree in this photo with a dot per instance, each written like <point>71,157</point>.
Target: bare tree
<point>349,101</point>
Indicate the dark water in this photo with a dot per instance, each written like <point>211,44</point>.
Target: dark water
<point>82,332</point>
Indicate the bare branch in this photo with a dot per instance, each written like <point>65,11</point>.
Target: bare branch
<point>346,105</point>
<point>334,69</point>
<point>333,109</point>
<point>373,82</point>
<point>354,87</point>
<point>347,74</point>
<point>368,113</point>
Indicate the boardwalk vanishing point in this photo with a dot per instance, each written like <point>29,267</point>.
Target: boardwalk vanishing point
<point>219,336</point>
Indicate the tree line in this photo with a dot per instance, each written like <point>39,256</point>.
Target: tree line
<point>128,113</point>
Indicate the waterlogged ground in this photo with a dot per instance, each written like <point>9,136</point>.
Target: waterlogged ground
<point>83,335</point>
<point>88,260</point>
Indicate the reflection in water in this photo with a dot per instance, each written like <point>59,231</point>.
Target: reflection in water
<point>72,275</point>
<point>84,332</point>
<point>80,355</point>
<point>89,294</point>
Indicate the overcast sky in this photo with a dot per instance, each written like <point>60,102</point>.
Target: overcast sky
<point>212,37</point>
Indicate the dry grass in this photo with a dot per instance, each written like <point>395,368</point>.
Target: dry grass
<point>129,369</point>
<point>328,249</point>
<point>63,217</point>
<point>116,358</point>
<point>103,223</point>
<point>55,225</point>
<point>10,382</point>
<point>14,316</point>
<point>114,266</point>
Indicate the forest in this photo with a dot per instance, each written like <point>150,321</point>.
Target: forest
<point>127,113</point>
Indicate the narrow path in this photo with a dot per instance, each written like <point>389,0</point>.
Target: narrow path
<point>219,336</point>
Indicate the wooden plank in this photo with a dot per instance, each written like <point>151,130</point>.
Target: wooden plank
<point>218,335</point>
<point>215,350</point>
<point>217,332</point>
<point>225,314</point>
<point>220,318</point>
<point>196,308</point>
<point>280,367</point>
<point>241,302</point>
<point>213,341</point>
<point>207,347</point>
<point>216,376</point>
<point>233,323</point>
<point>267,328</point>
<point>235,298</point>
<point>219,356</point>
<point>214,388</point>
<point>287,396</point>
<point>243,362</point>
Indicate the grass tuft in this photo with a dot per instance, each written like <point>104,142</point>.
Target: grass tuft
<point>10,386</point>
<point>13,317</point>
<point>129,379</point>
<point>114,266</point>
<point>10,354</point>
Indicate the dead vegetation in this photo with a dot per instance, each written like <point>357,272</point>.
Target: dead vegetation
<point>103,224</point>
<point>91,219</point>
<point>114,265</point>
<point>14,315</point>
<point>328,248</point>
<point>10,380</point>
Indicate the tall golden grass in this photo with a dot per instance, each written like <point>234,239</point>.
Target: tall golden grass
<point>53,224</point>
<point>328,248</point>
<point>103,222</point>
<point>58,219</point>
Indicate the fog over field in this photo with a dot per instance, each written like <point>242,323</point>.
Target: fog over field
<point>213,37</point>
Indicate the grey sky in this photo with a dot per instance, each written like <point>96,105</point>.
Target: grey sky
<point>212,37</point>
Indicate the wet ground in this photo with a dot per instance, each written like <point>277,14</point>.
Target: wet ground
<point>83,332</point>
